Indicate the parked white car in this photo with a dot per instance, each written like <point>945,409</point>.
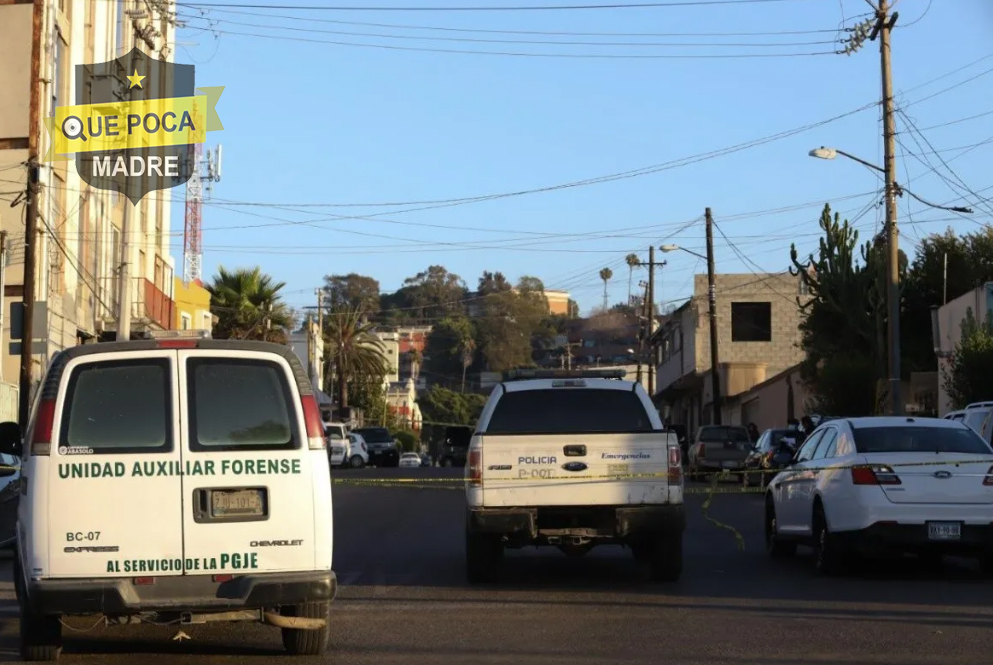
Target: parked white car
<point>410,461</point>
<point>885,485</point>
<point>351,452</point>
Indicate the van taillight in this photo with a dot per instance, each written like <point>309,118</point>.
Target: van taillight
<point>675,465</point>
<point>315,426</point>
<point>41,439</point>
<point>475,467</point>
<point>177,344</point>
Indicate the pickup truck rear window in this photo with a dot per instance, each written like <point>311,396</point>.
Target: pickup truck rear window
<point>919,440</point>
<point>569,411</point>
<point>722,434</point>
<point>240,404</point>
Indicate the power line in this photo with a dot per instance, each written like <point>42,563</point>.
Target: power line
<point>478,8</point>
<point>519,54</point>
<point>477,40</point>
<point>548,33</point>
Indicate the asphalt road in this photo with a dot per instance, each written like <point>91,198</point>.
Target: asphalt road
<point>399,556</point>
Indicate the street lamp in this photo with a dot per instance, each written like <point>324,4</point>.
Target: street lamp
<point>831,153</point>
<point>674,248</point>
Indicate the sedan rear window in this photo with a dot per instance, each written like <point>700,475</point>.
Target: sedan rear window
<point>569,411</point>
<point>919,440</point>
<point>120,406</point>
<point>375,434</point>
<point>240,404</point>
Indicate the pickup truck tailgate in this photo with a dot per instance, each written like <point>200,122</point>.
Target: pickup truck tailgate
<point>574,469</point>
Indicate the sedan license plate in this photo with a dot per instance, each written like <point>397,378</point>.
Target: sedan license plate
<point>237,503</point>
<point>944,530</point>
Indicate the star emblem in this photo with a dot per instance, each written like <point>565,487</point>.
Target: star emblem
<point>135,79</point>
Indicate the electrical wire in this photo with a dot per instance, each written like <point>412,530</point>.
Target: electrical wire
<point>484,8</point>
<point>547,33</point>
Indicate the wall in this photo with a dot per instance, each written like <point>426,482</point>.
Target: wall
<point>558,301</point>
<point>391,348</point>
<point>950,318</point>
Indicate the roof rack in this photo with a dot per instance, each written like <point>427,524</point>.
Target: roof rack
<point>523,374</point>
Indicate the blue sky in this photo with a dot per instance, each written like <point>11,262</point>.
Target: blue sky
<point>311,122</point>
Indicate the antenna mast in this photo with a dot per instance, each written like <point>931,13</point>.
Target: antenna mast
<point>192,236</point>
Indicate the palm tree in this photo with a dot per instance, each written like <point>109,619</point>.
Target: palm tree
<point>605,275</point>
<point>248,306</point>
<point>633,262</point>
<point>468,351</point>
<point>355,350</point>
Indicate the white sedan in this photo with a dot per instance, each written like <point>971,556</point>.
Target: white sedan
<point>885,485</point>
<point>410,460</point>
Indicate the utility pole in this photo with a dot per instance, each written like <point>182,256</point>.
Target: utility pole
<point>319,342</point>
<point>884,25</point>
<point>31,219</point>
<point>650,313</point>
<point>715,371</point>
<point>3,285</point>
<point>644,334</point>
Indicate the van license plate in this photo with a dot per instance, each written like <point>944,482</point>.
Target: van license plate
<point>944,530</point>
<point>236,503</point>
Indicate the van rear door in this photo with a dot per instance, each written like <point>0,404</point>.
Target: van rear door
<point>249,489</point>
<point>114,488</point>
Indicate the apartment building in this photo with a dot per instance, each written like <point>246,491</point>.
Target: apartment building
<point>192,305</point>
<point>758,338</point>
<point>79,240</point>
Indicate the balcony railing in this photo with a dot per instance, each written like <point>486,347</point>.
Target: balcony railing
<point>159,307</point>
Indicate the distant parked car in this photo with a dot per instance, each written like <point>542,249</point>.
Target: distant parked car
<point>410,461</point>
<point>719,448</point>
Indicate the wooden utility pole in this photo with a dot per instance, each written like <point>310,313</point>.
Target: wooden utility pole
<point>884,25</point>
<point>31,218</point>
<point>644,334</point>
<point>715,370</point>
<point>650,313</point>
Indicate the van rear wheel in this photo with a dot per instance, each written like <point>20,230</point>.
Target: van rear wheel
<point>307,642</point>
<point>41,637</point>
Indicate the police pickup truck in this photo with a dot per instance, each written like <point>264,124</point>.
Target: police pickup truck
<point>573,460</point>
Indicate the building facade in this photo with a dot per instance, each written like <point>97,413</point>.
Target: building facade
<point>758,319</point>
<point>192,306</point>
<point>79,244</point>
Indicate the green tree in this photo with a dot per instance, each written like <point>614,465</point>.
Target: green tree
<point>428,295</point>
<point>573,309</point>
<point>605,274</point>
<point>351,291</point>
<point>509,321</point>
<point>441,405</point>
<point>844,330</point>
<point>248,306</point>
<point>357,354</point>
<point>970,375</point>
<point>492,282</point>
<point>633,262</point>
<point>443,349</point>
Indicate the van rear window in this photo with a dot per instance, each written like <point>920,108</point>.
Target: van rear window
<point>119,406</point>
<point>238,404</point>
<point>569,411</point>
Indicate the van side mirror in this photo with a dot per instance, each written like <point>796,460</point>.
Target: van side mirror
<point>10,438</point>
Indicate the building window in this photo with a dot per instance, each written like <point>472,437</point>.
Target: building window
<point>186,321</point>
<point>58,71</point>
<point>751,322</point>
<point>121,18</point>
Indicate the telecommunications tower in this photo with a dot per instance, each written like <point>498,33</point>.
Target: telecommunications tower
<point>195,187</point>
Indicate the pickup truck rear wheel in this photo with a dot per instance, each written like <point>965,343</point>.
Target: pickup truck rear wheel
<point>307,642</point>
<point>483,554</point>
<point>667,558</point>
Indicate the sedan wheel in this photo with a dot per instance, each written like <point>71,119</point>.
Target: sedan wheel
<point>774,545</point>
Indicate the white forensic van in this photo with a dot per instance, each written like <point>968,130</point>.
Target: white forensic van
<point>176,480</point>
<point>573,459</point>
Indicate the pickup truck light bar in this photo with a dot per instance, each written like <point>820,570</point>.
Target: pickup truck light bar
<point>522,374</point>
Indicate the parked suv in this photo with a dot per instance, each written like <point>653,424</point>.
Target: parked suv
<point>719,448</point>
<point>383,450</point>
<point>156,476</point>
<point>456,447</point>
